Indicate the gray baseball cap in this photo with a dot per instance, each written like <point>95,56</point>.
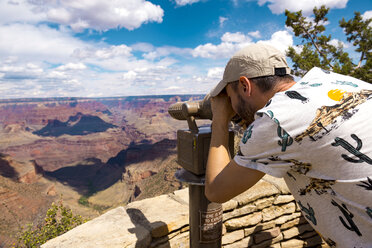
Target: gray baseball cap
<point>256,60</point>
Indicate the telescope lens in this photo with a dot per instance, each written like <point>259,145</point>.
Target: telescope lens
<point>175,110</point>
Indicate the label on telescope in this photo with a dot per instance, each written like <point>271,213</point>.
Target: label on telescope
<point>211,225</point>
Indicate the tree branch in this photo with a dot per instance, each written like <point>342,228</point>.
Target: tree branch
<point>316,47</point>
<point>360,61</point>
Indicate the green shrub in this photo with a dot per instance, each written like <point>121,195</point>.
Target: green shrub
<point>58,220</point>
<point>84,201</point>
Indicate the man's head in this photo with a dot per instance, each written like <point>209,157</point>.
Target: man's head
<point>252,76</point>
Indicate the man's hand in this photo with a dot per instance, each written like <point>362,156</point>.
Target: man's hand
<point>222,109</point>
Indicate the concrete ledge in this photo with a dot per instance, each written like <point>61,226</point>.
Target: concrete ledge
<point>264,216</point>
<point>112,229</point>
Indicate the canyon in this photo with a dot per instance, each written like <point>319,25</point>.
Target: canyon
<point>94,154</point>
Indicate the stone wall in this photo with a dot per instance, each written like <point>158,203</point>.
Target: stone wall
<point>264,216</point>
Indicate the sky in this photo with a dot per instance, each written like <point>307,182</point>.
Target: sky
<point>111,48</point>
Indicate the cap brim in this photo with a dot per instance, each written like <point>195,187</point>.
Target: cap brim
<point>217,90</point>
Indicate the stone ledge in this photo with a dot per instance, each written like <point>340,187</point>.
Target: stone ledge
<point>244,210</point>
<point>112,229</point>
<point>246,242</point>
<point>232,237</point>
<point>182,196</point>
<point>259,190</point>
<point>263,216</point>
<point>132,226</point>
<point>247,220</point>
<point>154,215</point>
<point>276,211</point>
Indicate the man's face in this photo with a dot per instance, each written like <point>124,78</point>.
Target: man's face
<point>240,105</point>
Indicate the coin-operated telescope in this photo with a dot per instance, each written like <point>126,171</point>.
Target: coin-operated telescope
<point>193,144</point>
<point>192,154</point>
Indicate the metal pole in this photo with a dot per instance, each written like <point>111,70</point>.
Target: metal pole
<point>205,217</point>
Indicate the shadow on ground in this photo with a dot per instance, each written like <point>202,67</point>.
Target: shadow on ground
<point>92,175</point>
<point>6,170</point>
<point>140,221</point>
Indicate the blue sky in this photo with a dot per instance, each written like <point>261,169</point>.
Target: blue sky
<point>100,48</point>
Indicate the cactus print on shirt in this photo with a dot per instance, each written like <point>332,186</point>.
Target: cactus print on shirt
<point>318,137</point>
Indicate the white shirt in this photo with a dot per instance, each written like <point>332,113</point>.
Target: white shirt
<point>318,136</point>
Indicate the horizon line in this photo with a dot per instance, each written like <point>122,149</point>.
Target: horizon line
<point>73,98</point>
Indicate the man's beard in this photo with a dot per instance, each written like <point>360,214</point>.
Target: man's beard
<point>245,111</point>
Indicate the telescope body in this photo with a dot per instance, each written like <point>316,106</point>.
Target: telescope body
<point>193,148</point>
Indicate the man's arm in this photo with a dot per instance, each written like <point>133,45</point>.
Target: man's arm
<point>224,177</point>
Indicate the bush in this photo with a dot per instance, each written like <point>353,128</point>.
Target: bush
<point>58,220</point>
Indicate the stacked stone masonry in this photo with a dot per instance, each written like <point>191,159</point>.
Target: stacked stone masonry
<point>264,216</point>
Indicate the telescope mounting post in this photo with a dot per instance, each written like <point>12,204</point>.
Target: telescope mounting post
<point>192,124</point>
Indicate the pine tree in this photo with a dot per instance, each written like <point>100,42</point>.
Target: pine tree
<point>317,50</point>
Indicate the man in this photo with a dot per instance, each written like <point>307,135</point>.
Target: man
<point>316,134</point>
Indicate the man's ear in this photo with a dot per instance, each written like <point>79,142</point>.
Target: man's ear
<point>246,85</point>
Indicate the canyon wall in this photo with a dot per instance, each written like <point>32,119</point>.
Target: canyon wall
<point>264,216</point>
<point>93,153</point>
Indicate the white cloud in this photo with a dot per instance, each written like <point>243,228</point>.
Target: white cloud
<point>307,6</point>
<point>59,15</point>
<point>37,43</point>
<point>57,75</point>
<point>336,43</point>
<point>232,42</point>
<point>281,40</point>
<point>29,68</point>
<point>151,55</point>
<point>112,58</point>
<point>40,61</point>
<point>235,38</point>
<point>71,66</point>
<point>19,11</point>
<point>209,50</point>
<point>215,72</point>
<point>29,54</point>
<point>21,71</point>
<point>164,51</point>
<point>143,47</point>
<point>222,20</point>
<point>173,87</point>
<point>185,2</point>
<point>367,15</point>
<point>113,51</point>
<point>321,22</point>
<point>255,34</point>
<point>130,75</point>
<point>83,14</point>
